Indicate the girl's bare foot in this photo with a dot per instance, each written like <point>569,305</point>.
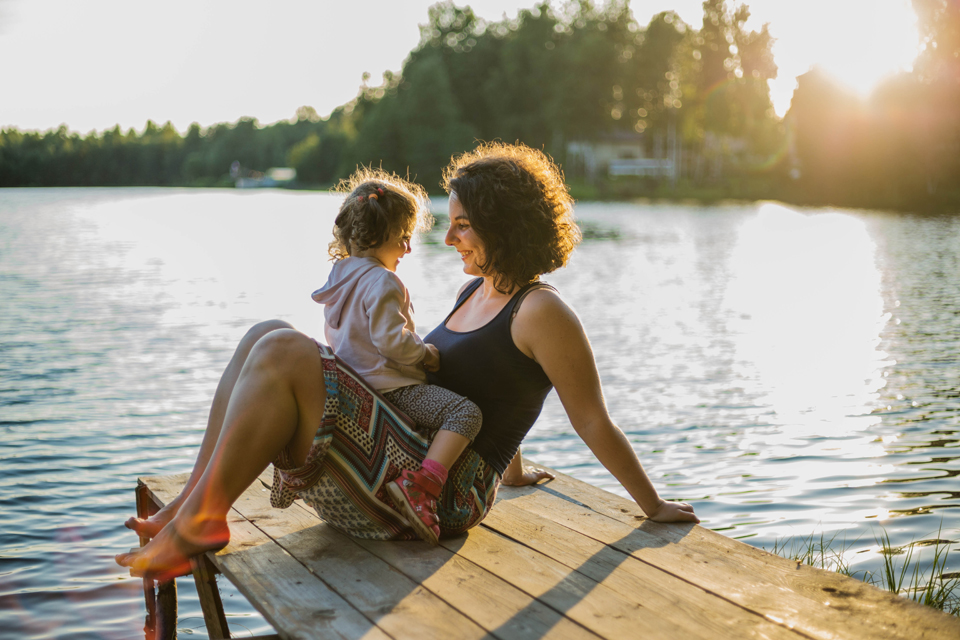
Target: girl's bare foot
<point>168,554</point>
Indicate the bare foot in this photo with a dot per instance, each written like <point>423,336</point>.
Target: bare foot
<point>168,554</point>
<point>150,527</point>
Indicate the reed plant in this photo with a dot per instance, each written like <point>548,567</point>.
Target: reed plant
<point>902,571</point>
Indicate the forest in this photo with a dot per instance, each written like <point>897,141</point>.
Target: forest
<point>556,77</point>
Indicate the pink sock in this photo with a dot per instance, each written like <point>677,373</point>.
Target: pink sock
<point>435,468</point>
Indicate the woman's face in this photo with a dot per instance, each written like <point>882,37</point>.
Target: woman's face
<point>461,237</point>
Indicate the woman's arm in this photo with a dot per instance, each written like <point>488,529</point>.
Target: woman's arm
<point>548,331</point>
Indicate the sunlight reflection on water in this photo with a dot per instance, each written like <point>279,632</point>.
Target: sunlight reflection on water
<point>807,317</point>
<point>788,370</point>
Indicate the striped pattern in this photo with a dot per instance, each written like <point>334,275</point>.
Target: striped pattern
<point>362,444</point>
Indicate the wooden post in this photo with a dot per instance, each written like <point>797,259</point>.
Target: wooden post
<point>150,622</point>
<point>161,620</point>
<point>166,628</point>
<point>205,577</point>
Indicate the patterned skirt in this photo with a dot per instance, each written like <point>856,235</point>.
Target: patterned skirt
<point>363,443</point>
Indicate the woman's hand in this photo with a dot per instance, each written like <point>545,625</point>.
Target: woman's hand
<point>673,512</point>
<point>529,475</point>
<point>518,474</point>
<point>431,358</point>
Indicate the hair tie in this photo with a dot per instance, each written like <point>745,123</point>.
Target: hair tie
<point>379,190</point>
<point>373,196</point>
<point>360,198</point>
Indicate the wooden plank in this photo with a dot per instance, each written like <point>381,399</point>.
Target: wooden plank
<point>286,593</point>
<point>163,489</point>
<point>292,599</point>
<point>398,605</point>
<point>818,603</point>
<point>692,611</point>
<point>595,606</point>
<point>497,606</point>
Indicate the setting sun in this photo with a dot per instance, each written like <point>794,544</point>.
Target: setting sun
<point>859,43</point>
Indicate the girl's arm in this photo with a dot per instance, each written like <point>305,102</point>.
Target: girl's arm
<point>385,304</point>
<point>548,331</point>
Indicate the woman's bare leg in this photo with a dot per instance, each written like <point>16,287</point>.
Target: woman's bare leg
<point>277,401</point>
<point>151,526</point>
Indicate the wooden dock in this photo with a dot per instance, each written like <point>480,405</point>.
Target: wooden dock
<point>559,560</point>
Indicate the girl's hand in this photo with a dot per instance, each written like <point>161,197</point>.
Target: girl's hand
<point>529,475</point>
<point>431,358</point>
<point>673,512</point>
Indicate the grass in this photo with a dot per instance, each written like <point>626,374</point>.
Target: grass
<point>902,571</point>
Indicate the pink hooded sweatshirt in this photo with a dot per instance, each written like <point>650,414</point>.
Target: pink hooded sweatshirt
<point>369,323</point>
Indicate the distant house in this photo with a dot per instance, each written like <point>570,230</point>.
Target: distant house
<point>273,177</point>
<point>619,153</point>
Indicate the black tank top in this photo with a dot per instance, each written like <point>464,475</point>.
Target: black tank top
<point>487,367</point>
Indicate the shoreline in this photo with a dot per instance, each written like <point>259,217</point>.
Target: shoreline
<point>694,197</point>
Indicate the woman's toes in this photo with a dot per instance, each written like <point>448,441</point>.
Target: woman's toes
<point>147,528</point>
<point>134,523</point>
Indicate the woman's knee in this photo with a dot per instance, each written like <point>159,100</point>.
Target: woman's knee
<point>292,359</point>
<point>261,329</point>
<point>258,331</point>
<point>284,347</point>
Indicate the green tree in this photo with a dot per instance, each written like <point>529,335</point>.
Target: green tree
<point>417,126</point>
<point>657,93</point>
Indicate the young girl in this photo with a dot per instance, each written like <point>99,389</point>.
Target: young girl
<point>369,325</point>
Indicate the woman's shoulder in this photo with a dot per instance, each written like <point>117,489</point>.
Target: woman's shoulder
<point>539,310</point>
<point>541,302</point>
<point>545,323</point>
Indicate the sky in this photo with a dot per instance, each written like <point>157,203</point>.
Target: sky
<point>97,63</point>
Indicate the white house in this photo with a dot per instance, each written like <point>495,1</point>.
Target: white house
<point>620,153</point>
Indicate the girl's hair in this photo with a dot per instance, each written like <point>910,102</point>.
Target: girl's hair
<point>378,205</point>
<point>519,207</point>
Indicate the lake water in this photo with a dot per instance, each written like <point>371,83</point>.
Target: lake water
<point>789,371</point>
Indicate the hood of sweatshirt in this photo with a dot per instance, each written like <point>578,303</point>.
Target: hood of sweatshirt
<point>344,277</point>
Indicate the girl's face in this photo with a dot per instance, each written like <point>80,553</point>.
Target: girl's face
<point>390,252</point>
<point>461,237</point>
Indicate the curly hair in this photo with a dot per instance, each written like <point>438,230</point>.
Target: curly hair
<point>519,207</point>
<point>377,205</point>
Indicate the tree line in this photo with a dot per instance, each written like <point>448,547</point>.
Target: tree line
<point>557,75</point>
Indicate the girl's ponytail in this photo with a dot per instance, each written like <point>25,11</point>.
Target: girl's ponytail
<point>373,208</point>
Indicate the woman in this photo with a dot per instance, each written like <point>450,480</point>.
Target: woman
<point>507,342</point>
